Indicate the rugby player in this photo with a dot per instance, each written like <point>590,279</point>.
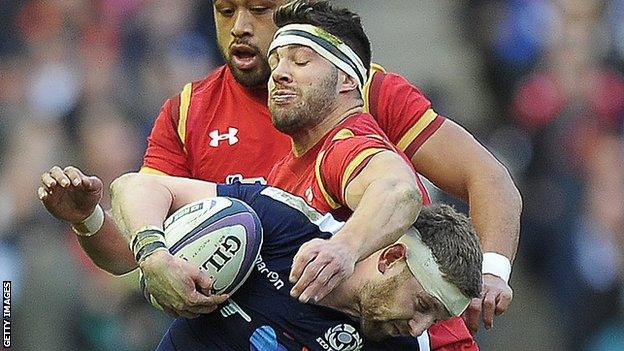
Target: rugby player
<point>397,292</point>
<point>219,129</point>
<point>340,160</point>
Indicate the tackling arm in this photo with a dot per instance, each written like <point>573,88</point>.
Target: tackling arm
<point>108,249</point>
<point>386,191</point>
<point>456,162</point>
<point>452,159</point>
<point>386,201</point>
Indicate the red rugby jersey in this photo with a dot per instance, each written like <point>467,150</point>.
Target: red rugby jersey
<point>217,130</point>
<point>322,174</point>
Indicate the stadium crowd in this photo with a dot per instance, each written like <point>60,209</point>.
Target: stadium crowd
<point>539,82</point>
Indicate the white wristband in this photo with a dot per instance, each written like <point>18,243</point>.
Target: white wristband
<point>91,224</point>
<point>496,264</point>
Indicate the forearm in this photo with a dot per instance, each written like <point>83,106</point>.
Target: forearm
<point>459,165</point>
<point>495,208</point>
<point>108,248</point>
<point>386,209</point>
<point>138,201</point>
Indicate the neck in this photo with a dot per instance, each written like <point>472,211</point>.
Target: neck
<point>346,296</point>
<point>306,139</point>
<point>259,90</point>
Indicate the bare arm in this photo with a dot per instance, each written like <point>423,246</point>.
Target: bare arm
<point>139,200</point>
<point>386,201</point>
<point>454,161</point>
<point>109,249</point>
<point>385,191</point>
<point>143,199</point>
<point>71,196</point>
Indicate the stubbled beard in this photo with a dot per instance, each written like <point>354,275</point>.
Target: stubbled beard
<point>258,76</point>
<point>377,300</point>
<point>310,109</point>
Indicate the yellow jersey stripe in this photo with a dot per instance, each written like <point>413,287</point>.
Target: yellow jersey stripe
<point>376,136</point>
<point>150,170</point>
<point>317,171</point>
<point>416,129</point>
<point>185,101</point>
<point>357,160</point>
<point>343,134</point>
<point>374,68</point>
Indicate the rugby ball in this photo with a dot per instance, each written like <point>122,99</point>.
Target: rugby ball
<point>221,236</point>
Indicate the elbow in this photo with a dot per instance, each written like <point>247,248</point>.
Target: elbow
<point>124,182</point>
<point>502,180</point>
<point>407,193</point>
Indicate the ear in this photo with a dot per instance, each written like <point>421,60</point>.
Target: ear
<point>347,83</point>
<point>390,255</point>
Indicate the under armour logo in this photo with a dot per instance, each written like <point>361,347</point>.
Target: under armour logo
<point>230,136</point>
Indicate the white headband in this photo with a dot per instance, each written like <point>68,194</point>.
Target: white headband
<point>325,44</point>
<point>424,267</point>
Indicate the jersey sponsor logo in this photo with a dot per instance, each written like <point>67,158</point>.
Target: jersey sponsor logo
<point>273,276</point>
<point>342,337</point>
<point>233,178</point>
<point>230,136</point>
<point>233,308</point>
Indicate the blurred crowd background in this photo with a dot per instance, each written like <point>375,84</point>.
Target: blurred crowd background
<point>539,82</point>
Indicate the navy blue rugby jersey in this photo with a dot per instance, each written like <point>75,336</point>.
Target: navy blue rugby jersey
<point>262,315</point>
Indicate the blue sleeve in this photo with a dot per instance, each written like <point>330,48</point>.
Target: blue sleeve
<point>238,190</point>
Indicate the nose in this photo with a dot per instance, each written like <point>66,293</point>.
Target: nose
<point>281,73</point>
<point>418,326</point>
<point>242,25</point>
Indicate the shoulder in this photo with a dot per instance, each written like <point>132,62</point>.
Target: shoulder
<point>358,125</point>
<point>394,82</point>
<point>214,79</point>
<point>358,135</point>
<point>205,86</point>
<point>178,103</point>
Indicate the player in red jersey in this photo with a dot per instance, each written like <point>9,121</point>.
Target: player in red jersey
<point>451,158</point>
<point>340,160</point>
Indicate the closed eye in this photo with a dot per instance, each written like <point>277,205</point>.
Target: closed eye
<point>260,10</point>
<point>226,11</point>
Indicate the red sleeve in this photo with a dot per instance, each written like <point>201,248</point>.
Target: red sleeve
<point>344,159</point>
<point>165,152</point>
<point>402,111</point>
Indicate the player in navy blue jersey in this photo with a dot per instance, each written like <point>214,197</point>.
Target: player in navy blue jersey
<point>393,295</point>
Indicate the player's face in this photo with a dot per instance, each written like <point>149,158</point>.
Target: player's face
<point>303,88</point>
<point>398,306</point>
<point>245,29</point>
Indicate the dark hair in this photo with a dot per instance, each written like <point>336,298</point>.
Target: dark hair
<point>455,246</point>
<point>342,23</point>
